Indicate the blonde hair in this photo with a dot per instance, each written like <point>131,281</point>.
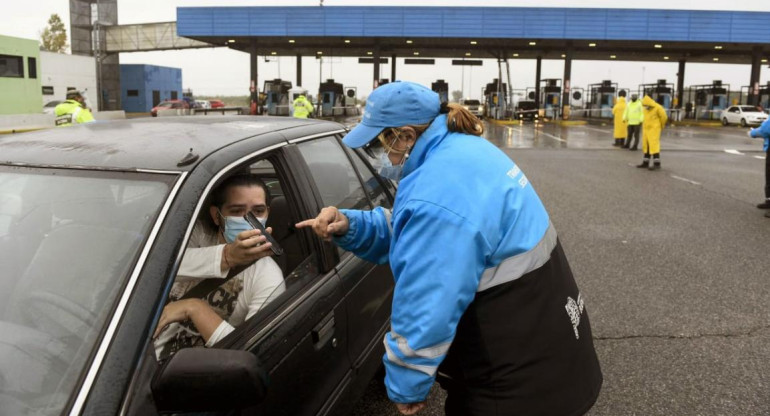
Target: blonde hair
<point>458,120</point>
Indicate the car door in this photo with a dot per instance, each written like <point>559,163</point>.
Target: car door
<point>300,335</point>
<point>733,114</point>
<point>349,183</point>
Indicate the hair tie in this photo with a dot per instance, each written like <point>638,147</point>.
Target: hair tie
<point>444,108</point>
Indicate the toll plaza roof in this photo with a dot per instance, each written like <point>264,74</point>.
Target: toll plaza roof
<point>483,32</point>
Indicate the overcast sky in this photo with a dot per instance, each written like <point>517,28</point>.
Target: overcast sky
<point>223,71</point>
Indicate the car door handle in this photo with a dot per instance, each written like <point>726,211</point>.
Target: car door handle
<point>323,332</point>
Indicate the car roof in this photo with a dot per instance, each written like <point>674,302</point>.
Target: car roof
<point>149,143</point>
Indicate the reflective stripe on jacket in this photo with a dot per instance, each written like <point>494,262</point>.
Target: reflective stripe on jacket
<point>71,111</point>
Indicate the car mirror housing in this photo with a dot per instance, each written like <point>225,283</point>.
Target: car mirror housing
<point>209,379</point>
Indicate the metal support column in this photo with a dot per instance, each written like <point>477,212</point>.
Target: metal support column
<point>393,67</point>
<point>680,85</point>
<point>756,67</point>
<point>537,81</point>
<point>376,63</point>
<point>565,108</point>
<point>253,78</point>
<point>299,70</point>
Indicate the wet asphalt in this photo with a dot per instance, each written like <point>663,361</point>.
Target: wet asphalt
<point>674,265</point>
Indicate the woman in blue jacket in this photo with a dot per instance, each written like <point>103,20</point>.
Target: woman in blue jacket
<point>763,131</point>
<point>484,297</point>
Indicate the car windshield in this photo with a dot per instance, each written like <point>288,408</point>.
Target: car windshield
<point>471,102</point>
<point>165,104</point>
<point>52,104</point>
<point>750,108</point>
<point>68,242</point>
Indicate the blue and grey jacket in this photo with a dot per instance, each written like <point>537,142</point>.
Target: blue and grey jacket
<point>450,236</point>
<point>763,131</point>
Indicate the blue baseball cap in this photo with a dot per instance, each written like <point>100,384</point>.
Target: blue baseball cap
<point>395,104</point>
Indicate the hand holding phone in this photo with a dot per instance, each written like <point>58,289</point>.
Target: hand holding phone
<point>254,222</point>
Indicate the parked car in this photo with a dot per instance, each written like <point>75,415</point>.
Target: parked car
<point>94,220</point>
<point>169,105</point>
<point>744,115</point>
<point>474,106</point>
<point>202,104</point>
<point>216,103</point>
<point>50,106</point>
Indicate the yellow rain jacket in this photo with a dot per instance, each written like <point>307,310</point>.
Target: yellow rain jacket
<point>302,107</point>
<point>70,112</point>
<point>654,120</point>
<point>621,129</point>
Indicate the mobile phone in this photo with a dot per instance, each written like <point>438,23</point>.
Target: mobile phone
<point>252,219</point>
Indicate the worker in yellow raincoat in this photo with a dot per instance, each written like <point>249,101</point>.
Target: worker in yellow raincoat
<point>654,120</point>
<point>621,129</point>
<point>302,107</point>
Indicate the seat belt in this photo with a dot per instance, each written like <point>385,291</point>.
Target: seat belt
<point>202,289</point>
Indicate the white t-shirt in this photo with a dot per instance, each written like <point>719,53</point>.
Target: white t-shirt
<point>255,286</point>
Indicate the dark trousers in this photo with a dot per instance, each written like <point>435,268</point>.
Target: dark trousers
<point>633,133</point>
<point>767,174</point>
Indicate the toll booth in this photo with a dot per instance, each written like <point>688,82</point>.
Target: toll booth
<point>331,97</point>
<point>351,101</point>
<point>764,95</point>
<point>577,100</point>
<point>709,100</point>
<point>601,98</point>
<point>277,97</point>
<point>442,89</point>
<point>494,100</point>
<point>551,96</point>
<point>661,91</point>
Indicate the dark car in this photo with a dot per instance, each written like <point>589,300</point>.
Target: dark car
<point>170,105</point>
<point>94,220</point>
<point>526,110</point>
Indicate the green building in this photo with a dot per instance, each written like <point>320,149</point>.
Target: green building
<point>20,90</point>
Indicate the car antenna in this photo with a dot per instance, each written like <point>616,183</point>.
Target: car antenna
<point>188,159</point>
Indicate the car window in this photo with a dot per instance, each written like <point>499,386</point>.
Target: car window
<point>68,242</point>
<point>471,102</point>
<point>333,174</point>
<point>252,289</point>
<point>374,188</point>
<point>749,108</point>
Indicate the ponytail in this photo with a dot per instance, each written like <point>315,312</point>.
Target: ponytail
<point>460,120</point>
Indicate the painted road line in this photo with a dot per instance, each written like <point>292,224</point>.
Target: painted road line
<point>552,136</point>
<point>685,180</point>
<point>733,152</point>
<point>760,157</point>
<point>599,130</point>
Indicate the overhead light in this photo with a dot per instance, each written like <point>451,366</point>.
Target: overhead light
<point>319,53</point>
<point>665,58</point>
<point>409,41</point>
<point>273,53</point>
<point>416,53</point>
<point>473,42</point>
<point>613,56</point>
<point>591,45</point>
<point>515,55</point>
<point>564,55</point>
<point>716,59</point>
<point>467,54</point>
<point>231,41</point>
<point>347,40</point>
<point>718,47</point>
<point>658,46</point>
<point>532,43</point>
<point>291,40</point>
<point>369,53</point>
<point>764,61</point>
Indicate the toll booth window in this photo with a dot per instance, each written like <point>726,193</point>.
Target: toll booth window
<point>327,99</point>
<point>47,90</point>
<point>32,64</point>
<point>11,66</point>
<point>132,93</point>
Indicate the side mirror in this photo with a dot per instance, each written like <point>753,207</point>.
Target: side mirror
<point>209,379</point>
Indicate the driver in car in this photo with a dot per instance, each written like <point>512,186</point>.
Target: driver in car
<point>222,242</point>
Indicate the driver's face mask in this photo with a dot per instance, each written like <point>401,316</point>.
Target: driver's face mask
<point>232,226</point>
